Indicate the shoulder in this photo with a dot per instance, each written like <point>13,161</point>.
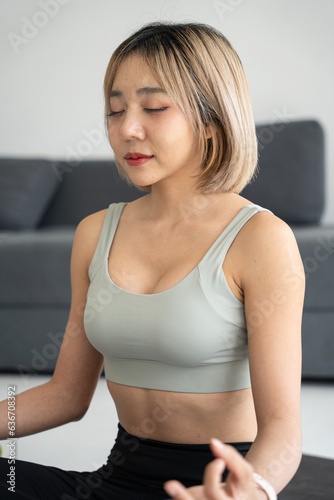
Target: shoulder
<point>92,224</point>
<point>90,227</point>
<point>87,235</point>
<point>267,249</point>
<point>265,232</point>
<point>262,233</point>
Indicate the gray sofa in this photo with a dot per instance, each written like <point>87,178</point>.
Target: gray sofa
<point>41,202</point>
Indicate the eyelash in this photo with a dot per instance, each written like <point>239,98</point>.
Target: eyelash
<point>148,110</point>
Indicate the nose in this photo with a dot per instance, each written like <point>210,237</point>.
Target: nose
<point>132,126</point>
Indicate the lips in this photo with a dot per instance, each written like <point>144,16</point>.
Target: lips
<point>136,156</point>
<point>137,159</point>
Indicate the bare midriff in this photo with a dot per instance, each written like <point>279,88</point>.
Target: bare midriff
<point>185,418</point>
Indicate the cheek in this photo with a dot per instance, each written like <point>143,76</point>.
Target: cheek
<point>183,130</point>
<point>112,135</point>
<point>182,140</point>
<point>175,133</point>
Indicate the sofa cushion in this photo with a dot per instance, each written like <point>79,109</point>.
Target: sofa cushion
<point>316,246</point>
<point>35,267</point>
<point>86,187</point>
<point>290,179</point>
<point>32,336</point>
<point>26,189</point>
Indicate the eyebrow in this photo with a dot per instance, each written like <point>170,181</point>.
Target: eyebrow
<point>141,91</point>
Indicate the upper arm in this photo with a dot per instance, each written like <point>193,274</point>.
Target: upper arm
<point>273,284</point>
<point>79,364</point>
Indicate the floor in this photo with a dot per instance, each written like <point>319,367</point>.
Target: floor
<point>85,445</point>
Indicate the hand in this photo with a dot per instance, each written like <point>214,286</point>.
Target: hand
<point>239,484</point>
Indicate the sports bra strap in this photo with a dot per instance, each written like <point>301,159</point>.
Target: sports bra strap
<point>213,258</point>
<point>107,234</point>
<point>217,252</point>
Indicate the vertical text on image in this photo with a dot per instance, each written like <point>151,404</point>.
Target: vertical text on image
<point>11,441</point>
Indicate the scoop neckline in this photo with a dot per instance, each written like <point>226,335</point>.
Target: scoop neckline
<point>183,279</point>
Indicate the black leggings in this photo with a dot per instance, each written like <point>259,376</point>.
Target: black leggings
<point>135,470</point>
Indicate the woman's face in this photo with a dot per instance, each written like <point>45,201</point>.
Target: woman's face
<point>151,137</point>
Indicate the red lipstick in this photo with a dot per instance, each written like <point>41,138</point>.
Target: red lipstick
<point>136,159</point>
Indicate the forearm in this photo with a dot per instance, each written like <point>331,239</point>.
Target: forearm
<point>276,453</point>
<point>38,409</point>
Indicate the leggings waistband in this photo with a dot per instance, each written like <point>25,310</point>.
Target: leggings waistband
<point>156,461</point>
<point>240,445</point>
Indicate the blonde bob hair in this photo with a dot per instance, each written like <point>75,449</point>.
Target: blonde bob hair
<point>202,73</point>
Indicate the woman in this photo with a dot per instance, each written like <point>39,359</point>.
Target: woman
<point>200,335</point>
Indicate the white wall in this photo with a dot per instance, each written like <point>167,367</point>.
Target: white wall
<point>51,75</point>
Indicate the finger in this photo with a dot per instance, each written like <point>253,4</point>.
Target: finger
<point>234,461</point>
<point>212,479</point>
<point>177,491</point>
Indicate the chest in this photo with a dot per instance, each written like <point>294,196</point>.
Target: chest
<point>148,260</point>
<point>182,326</point>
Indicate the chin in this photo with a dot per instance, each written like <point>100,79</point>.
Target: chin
<point>147,189</point>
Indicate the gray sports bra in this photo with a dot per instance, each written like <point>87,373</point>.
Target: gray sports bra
<point>189,338</point>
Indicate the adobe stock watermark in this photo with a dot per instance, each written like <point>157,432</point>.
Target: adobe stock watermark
<point>86,484</point>
<point>290,452</point>
<point>40,358</point>
<point>225,7</point>
<point>195,207</point>
<point>281,119</point>
<point>31,27</point>
<point>266,307</point>
<point>163,409</point>
<point>322,251</point>
<point>75,155</point>
<point>129,442</point>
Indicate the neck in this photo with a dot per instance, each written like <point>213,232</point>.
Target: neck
<point>179,205</point>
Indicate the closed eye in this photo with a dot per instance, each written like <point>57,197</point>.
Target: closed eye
<point>153,110</point>
<point>113,113</point>
<point>147,110</point>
